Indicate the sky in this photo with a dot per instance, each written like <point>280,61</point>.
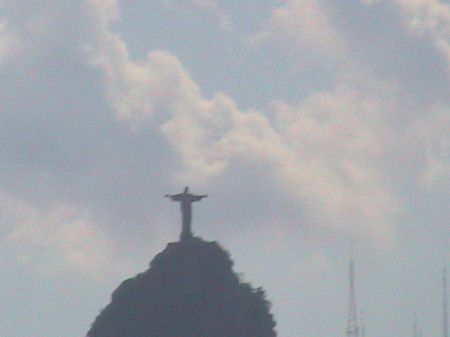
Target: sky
<point>313,125</point>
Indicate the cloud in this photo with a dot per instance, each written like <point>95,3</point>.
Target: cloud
<point>338,141</point>
<point>62,147</point>
<point>54,240</point>
<point>224,18</point>
<point>324,149</point>
<point>429,17</point>
<point>306,26</point>
<point>359,40</point>
<point>405,64</point>
<point>92,137</point>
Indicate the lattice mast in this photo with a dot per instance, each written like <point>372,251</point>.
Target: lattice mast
<point>414,327</point>
<point>362,329</point>
<point>444,304</point>
<point>352,319</point>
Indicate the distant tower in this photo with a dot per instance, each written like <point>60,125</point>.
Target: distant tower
<point>363,325</point>
<point>444,304</point>
<point>415,329</point>
<point>352,320</point>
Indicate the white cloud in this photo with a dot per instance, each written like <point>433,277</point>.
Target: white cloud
<point>427,17</point>
<point>105,10</point>
<point>56,240</point>
<point>224,18</point>
<point>430,16</point>
<point>379,114</point>
<point>306,26</point>
<point>337,141</point>
<point>329,155</point>
<point>327,150</point>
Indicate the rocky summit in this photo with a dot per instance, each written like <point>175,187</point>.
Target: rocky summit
<point>190,290</point>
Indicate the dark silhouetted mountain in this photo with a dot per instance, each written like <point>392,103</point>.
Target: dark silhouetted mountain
<point>190,290</point>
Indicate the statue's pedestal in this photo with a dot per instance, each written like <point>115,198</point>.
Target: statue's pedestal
<point>185,236</point>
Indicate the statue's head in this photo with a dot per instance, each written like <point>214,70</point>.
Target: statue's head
<point>186,189</point>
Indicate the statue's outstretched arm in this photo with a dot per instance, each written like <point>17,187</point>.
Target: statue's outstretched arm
<point>175,197</point>
<point>198,197</point>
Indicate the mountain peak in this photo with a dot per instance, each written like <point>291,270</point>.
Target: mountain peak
<point>190,290</point>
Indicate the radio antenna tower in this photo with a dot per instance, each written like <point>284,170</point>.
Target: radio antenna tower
<point>415,329</point>
<point>444,304</point>
<point>363,325</point>
<point>352,320</point>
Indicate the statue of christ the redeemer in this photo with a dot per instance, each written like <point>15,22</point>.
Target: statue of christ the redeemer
<point>186,199</point>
